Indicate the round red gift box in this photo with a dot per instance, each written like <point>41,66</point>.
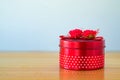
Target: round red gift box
<point>76,54</point>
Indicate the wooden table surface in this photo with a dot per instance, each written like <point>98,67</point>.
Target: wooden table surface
<point>45,66</point>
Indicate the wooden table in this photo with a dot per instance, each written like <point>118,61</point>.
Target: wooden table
<point>45,66</point>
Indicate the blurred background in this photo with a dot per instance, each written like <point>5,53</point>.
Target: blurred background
<point>35,25</point>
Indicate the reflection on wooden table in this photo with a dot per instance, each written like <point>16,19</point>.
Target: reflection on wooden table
<point>82,75</point>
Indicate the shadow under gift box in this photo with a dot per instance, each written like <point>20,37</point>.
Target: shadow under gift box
<point>81,75</point>
<point>79,54</point>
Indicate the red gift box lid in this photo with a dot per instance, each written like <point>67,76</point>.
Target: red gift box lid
<point>82,44</point>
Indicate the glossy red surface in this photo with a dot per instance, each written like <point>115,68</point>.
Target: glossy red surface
<point>81,54</point>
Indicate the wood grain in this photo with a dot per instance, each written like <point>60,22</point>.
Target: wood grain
<point>45,66</point>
